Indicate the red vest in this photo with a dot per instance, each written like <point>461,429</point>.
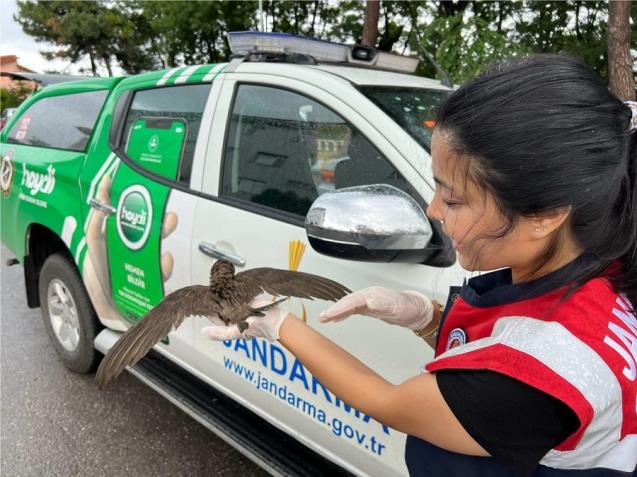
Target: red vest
<point>582,351</point>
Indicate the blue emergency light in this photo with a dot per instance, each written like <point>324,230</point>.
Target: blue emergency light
<point>246,43</point>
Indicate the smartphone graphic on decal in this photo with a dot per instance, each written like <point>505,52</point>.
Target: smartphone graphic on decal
<point>157,145</point>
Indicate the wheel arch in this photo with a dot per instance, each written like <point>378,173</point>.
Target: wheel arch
<point>41,242</point>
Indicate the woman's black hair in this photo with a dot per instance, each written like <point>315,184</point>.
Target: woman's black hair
<point>546,133</point>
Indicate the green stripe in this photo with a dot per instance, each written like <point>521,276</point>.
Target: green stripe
<point>199,73</point>
<point>175,75</point>
<point>218,72</point>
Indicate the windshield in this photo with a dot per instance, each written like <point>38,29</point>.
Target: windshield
<point>412,108</point>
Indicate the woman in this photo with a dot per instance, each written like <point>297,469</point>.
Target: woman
<point>535,370</point>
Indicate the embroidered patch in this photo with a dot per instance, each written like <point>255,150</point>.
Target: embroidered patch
<point>457,337</point>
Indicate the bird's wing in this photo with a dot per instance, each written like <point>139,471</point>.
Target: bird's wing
<point>157,323</point>
<point>251,283</point>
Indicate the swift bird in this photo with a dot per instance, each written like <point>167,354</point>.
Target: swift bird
<point>227,296</point>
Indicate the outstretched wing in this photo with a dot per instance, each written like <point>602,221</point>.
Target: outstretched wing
<point>251,283</point>
<point>157,323</point>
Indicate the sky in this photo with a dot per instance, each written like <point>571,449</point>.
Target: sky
<point>13,41</point>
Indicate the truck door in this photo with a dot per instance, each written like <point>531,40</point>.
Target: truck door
<point>285,143</point>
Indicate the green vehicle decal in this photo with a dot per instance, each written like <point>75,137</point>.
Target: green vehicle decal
<point>133,237</point>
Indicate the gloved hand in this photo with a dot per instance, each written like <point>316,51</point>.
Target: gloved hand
<point>409,309</point>
<point>260,326</point>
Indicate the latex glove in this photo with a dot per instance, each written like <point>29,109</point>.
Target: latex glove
<point>409,309</point>
<point>260,326</point>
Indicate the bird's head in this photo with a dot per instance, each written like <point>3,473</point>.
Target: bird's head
<point>221,272</point>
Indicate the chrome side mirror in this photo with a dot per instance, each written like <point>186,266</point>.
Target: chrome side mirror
<point>377,223</point>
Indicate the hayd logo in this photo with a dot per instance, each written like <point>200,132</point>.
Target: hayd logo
<point>6,173</point>
<point>134,216</point>
<point>38,181</point>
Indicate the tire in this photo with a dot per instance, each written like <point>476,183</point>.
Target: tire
<point>68,315</point>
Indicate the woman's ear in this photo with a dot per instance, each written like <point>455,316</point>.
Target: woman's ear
<point>544,224</point>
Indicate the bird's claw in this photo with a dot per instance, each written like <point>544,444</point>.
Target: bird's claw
<point>243,325</point>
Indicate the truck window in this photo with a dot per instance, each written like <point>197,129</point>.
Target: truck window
<point>165,111</point>
<point>283,149</point>
<point>413,109</point>
<point>60,122</point>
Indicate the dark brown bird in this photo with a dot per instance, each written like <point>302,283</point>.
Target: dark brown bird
<point>228,296</point>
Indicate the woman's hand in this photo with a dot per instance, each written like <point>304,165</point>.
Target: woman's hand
<point>259,326</point>
<point>409,309</point>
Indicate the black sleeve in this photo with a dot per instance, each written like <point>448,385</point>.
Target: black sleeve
<point>516,423</point>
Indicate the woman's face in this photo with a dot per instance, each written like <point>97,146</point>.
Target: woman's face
<point>470,216</point>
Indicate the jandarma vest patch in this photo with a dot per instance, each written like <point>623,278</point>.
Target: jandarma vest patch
<point>457,337</point>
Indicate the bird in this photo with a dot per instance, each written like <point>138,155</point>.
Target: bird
<point>227,296</point>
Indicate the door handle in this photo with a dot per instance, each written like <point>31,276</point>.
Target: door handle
<point>107,209</point>
<point>214,252</point>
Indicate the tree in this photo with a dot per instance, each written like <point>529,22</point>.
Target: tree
<point>345,23</point>
<point>465,44</point>
<point>544,28</point>
<point>370,23</point>
<point>620,73</point>
<point>464,36</point>
<point>84,28</point>
<point>195,32</point>
<point>136,49</point>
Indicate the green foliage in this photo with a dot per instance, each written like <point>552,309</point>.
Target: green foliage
<point>13,97</point>
<point>194,32</point>
<point>465,46</point>
<point>547,31</point>
<point>344,22</point>
<point>465,39</point>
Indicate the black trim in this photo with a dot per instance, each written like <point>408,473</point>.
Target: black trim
<point>452,297</point>
<point>271,445</point>
<point>16,143</point>
<point>31,281</point>
<point>118,118</point>
<point>496,288</point>
<point>264,56</point>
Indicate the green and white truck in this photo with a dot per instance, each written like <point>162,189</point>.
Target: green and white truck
<point>116,191</point>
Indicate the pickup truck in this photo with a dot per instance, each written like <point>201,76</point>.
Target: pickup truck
<point>116,191</point>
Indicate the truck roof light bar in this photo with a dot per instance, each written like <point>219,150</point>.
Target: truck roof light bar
<point>255,44</point>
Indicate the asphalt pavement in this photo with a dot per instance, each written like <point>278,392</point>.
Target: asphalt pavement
<point>54,422</point>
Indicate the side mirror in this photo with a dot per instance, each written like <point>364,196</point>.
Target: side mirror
<point>374,223</point>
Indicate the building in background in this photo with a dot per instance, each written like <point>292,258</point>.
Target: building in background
<point>9,64</point>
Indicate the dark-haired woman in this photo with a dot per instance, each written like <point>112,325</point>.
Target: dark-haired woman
<point>535,165</point>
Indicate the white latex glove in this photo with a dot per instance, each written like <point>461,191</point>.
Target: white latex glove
<point>409,309</point>
<point>260,326</point>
